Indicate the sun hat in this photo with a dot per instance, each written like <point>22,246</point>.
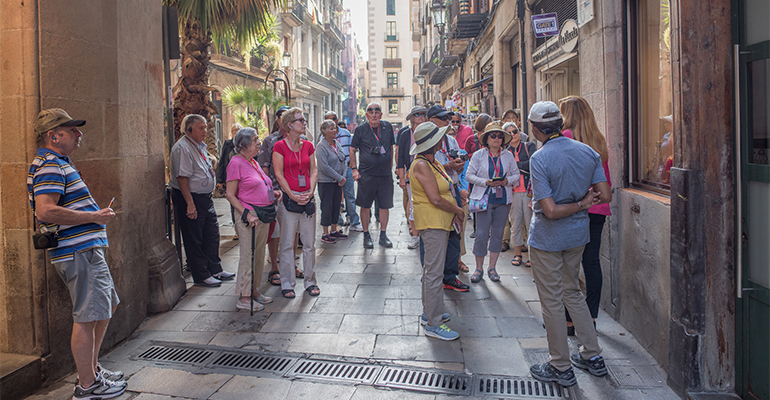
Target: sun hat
<point>425,137</point>
<point>494,127</point>
<point>415,110</point>
<point>53,118</point>
<point>544,111</point>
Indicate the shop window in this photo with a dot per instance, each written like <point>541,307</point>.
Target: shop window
<point>392,80</point>
<point>393,106</point>
<point>391,7</point>
<point>651,130</point>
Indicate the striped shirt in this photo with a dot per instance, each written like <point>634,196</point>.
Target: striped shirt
<point>52,173</point>
<point>344,137</point>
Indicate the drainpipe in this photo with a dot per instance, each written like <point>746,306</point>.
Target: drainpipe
<point>523,63</point>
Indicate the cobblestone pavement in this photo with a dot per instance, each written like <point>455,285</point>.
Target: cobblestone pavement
<point>368,313</point>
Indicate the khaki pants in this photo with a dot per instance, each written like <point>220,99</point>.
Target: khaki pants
<point>291,223</point>
<point>521,215</point>
<point>435,243</point>
<point>556,279</point>
<point>243,283</point>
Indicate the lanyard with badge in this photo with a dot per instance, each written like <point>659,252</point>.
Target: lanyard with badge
<point>442,172</point>
<point>203,156</point>
<point>497,165</point>
<point>298,156</point>
<point>265,180</point>
<point>376,135</point>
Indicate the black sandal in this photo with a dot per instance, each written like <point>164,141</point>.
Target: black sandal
<point>288,293</point>
<point>274,278</point>
<point>299,274</point>
<point>313,290</point>
<point>493,275</point>
<point>477,275</point>
<point>516,262</point>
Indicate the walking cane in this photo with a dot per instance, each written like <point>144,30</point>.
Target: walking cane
<point>253,245</point>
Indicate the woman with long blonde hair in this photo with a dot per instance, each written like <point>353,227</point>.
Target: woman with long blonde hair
<point>580,124</point>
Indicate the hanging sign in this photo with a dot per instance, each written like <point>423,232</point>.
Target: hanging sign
<point>585,11</point>
<point>484,90</point>
<point>568,36</point>
<point>545,25</point>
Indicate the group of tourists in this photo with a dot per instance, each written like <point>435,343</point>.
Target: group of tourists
<point>556,196</point>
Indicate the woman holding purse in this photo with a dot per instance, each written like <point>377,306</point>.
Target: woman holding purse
<point>493,173</point>
<point>250,192</point>
<point>295,170</point>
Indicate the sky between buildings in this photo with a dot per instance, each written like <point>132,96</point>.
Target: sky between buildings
<point>360,23</point>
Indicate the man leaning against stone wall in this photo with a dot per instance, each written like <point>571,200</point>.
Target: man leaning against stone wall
<point>62,203</point>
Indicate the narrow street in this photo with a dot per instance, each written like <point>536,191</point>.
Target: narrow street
<point>367,315</point>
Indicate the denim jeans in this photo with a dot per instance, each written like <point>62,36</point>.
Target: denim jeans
<point>350,200</point>
<point>591,265</point>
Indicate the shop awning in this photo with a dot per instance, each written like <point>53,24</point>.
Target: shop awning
<point>464,91</point>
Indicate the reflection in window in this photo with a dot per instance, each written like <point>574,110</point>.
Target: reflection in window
<point>759,111</point>
<point>654,131</point>
<point>392,80</point>
<point>393,106</point>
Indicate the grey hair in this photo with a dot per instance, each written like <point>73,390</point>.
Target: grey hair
<point>326,125</point>
<point>189,120</point>
<point>368,106</point>
<point>244,138</point>
<point>329,114</point>
<point>508,125</point>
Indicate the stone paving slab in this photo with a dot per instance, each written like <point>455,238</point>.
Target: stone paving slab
<point>370,393</point>
<point>173,382</point>
<point>360,278</point>
<point>238,321</point>
<point>380,325</point>
<point>520,327</point>
<point>417,348</point>
<point>313,390</point>
<point>249,387</point>
<point>346,345</point>
<point>498,356</point>
<point>273,342</point>
<point>474,326</point>
<point>172,321</point>
<point>302,323</point>
<point>349,306</point>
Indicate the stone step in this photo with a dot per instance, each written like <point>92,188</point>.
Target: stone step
<point>20,375</point>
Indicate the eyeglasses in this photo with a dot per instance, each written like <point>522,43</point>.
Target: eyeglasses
<point>333,119</point>
<point>374,109</point>
<point>300,120</point>
<point>456,122</point>
<point>496,135</point>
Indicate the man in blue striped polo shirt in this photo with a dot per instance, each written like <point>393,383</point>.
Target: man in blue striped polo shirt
<point>62,202</point>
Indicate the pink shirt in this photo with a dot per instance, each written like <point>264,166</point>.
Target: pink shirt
<point>463,133</point>
<point>253,184</point>
<point>603,209</point>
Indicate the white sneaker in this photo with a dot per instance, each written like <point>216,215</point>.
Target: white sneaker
<point>264,299</point>
<point>211,282</point>
<point>415,243</point>
<point>356,228</point>
<point>245,306</point>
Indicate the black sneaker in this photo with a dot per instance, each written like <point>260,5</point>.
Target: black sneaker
<point>456,285</point>
<point>595,366</point>
<point>384,241</point>
<point>547,373</point>
<point>368,244</point>
<point>101,389</point>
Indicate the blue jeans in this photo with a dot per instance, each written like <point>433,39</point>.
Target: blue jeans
<point>350,200</point>
<point>591,265</point>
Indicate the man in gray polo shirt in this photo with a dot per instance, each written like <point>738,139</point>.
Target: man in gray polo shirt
<point>567,179</point>
<point>193,180</point>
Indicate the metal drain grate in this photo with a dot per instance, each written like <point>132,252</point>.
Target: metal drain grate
<point>176,355</point>
<point>637,376</point>
<point>251,362</point>
<point>518,387</point>
<point>425,381</point>
<point>338,371</point>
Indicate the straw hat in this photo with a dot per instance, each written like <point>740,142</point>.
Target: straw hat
<point>494,127</point>
<point>425,137</point>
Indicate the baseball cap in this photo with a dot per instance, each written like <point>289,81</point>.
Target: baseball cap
<point>54,118</point>
<point>281,110</point>
<point>544,111</point>
<point>438,111</point>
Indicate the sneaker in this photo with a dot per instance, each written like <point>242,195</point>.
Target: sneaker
<point>328,239</point>
<point>224,276</point>
<point>547,373</point>
<point>107,374</point>
<point>101,389</point>
<point>595,366</point>
<point>264,299</point>
<point>356,228</point>
<point>441,332</point>
<point>245,306</point>
<point>210,282</point>
<point>456,285</point>
<point>338,235</point>
<point>424,318</point>
<point>473,235</point>
<point>415,243</point>
<point>384,241</point>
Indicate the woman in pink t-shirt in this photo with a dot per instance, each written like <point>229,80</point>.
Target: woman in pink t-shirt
<point>248,186</point>
<point>295,170</point>
<point>580,125</point>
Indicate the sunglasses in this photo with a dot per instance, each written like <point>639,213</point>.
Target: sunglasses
<point>421,115</point>
<point>374,110</point>
<point>300,120</point>
<point>496,135</point>
<point>455,122</point>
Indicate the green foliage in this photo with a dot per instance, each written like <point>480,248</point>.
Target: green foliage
<point>248,104</point>
<point>665,9</point>
<point>251,120</point>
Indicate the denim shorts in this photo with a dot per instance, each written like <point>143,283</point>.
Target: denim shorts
<point>90,284</point>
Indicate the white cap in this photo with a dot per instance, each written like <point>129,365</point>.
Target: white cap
<point>544,111</point>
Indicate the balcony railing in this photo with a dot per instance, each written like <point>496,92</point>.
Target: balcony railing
<point>424,62</point>
<point>293,13</point>
<point>391,37</point>
<point>392,92</point>
<point>316,77</point>
<point>391,63</point>
<point>300,78</point>
<point>338,75</point>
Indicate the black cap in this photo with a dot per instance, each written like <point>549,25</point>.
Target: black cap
<point>438,111</point>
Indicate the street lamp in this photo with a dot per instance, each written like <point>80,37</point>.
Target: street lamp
<point>286,60</point>
<point>438,9</point>
<point>421,82</point>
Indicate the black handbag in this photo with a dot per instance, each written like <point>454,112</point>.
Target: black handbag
<point>293,206</point>
<point>265,214</point>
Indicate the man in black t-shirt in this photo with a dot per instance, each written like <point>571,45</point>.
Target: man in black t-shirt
<point>374,174</point>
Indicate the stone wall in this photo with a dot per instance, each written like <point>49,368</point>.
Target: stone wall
<point>101,62</point>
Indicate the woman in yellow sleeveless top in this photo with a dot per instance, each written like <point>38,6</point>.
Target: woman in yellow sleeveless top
<point>435,214</point>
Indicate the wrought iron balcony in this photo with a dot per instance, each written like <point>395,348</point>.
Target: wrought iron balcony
<point>391,63</point>
<point>293,14</point>
<point>391,38</point>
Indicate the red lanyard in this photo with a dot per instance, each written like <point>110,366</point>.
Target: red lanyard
<point>497,164</point>
<point>197,148</point>
<point>376,134</point>
<point>518,149</point>
<point>254,165</point>
<point>297,155</point>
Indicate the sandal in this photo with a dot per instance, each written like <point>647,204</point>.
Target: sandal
<point>288,293</point>
<point>516,261</point>
<point>463,268</point>
<point>299,274</point>
<point>274,277</point>
<point>313,290</point>
<point>493,275</point>
<point>528,265</point>
<point>477,275</point>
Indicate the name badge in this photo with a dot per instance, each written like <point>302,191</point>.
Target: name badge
<point>382,150</point>
<point>302,181</point>
<point>271,195</point>
<point>499,192</point>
